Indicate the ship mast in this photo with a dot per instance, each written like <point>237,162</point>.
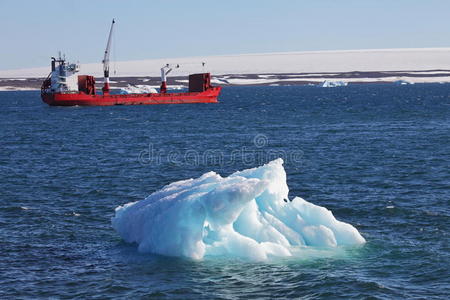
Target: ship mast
<point>106,60</point>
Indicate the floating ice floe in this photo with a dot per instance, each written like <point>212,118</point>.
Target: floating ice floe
<point>402,82</point>
<point>328,83</point>
<point>15,88</point>
<point>246,215</point>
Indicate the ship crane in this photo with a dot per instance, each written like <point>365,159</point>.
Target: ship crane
<point>164,72</point>
<point>106,61</point>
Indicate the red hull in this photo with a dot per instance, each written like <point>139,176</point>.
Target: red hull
<point>82,99</point>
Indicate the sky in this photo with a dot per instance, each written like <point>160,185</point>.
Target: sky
<point>33,31</point>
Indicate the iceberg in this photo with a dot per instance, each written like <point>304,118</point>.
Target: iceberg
<point>328,83</point>
<point>402,82</point>
<point>246,215</point>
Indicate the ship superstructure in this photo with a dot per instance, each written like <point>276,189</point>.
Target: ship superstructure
<point>63,78</point>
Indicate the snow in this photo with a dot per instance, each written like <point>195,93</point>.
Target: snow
<point>14,88</point>
<point>311,74</point>
<point>14,79</point>
<point>242,81</point>
<point>246,215</point>
<point>341,81</point>
<point>147,89</point>
<point>138,89</point>
<point>266,63</point>
<point>265,76</point>
<point>421,65</point>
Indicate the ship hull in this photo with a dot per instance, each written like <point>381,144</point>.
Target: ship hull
<point>82,99</point>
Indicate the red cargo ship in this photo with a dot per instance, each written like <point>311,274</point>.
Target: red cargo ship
<point>64,88</point>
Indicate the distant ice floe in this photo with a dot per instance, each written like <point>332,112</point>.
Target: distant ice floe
<point>246,215</point>
<point>402,82</point>
<point>15,88</point>
<point>14,79</point>
<point>329,83</point>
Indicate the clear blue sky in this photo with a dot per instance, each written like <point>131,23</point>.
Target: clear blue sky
<point>32,31</point>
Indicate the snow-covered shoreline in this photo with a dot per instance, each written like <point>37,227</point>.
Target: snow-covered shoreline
<point>272,63</point>
<point>429,65</point>
<point>316,79</point>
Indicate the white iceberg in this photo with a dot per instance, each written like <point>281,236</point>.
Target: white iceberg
<point>329,83</point>
<point>246,215</point>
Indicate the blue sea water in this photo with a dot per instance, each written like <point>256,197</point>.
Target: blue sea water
<point>378,156</point>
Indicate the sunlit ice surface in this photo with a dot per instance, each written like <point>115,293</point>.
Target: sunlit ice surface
<point>246,215</point>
